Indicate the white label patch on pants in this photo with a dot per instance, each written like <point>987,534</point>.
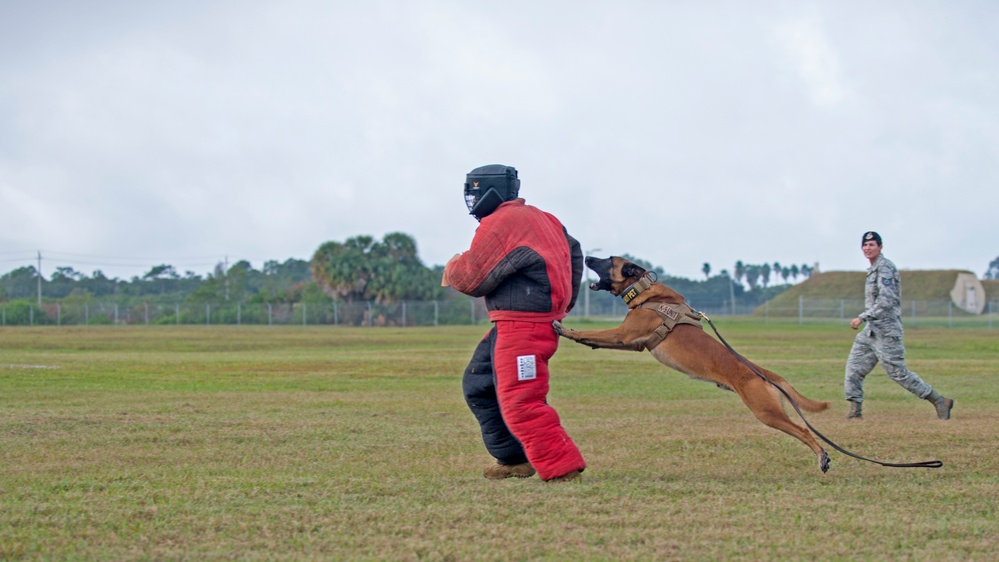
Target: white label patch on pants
<point>527,369</point>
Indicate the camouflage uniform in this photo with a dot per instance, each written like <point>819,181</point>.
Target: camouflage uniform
<point>881,337</point>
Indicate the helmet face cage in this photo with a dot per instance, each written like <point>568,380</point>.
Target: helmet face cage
<point>471,196</point>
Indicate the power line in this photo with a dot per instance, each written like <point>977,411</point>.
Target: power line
<point>77,261</point>
<point>131,257</point>
<point>74,260</point>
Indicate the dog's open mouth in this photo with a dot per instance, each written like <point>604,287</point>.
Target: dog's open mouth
<point>602,268</point>
<point>601,284</point>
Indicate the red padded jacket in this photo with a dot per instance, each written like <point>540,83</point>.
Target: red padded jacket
<point>523,261</point>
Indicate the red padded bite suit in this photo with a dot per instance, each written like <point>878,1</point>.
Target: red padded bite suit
<point>528,268</point>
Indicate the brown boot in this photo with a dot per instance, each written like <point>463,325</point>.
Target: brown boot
<point>501,471</point>
<point>565,477</point>
<point>854,410</point>
<point>942,405</point>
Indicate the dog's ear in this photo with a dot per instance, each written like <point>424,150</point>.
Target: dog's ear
<point>630,270</point>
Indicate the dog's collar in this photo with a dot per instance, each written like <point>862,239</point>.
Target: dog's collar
<point>638,286</point>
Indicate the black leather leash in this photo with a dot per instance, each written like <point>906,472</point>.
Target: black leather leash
<point>924,464</point>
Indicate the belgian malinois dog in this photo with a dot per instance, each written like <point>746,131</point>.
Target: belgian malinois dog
<point>660,320</point>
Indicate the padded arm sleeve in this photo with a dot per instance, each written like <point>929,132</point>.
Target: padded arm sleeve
<point>576,253</point>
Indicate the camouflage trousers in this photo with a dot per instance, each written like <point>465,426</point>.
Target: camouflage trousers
<point>870,348</point>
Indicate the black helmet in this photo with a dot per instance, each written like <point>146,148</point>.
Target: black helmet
<point>488,186</point>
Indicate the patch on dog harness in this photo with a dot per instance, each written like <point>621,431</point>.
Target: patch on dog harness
<point>637,287</point>
<point>527,369</point>
<point>671,315</point>
<point>666,311</point>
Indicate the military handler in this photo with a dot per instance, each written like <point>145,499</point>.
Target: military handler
<point>881,338</point>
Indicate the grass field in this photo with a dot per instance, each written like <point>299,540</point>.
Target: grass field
<point>292,443</point>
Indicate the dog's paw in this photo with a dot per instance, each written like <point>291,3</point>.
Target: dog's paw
<point>560,329</point>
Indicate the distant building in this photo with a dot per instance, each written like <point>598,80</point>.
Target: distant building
<point>968,293</point>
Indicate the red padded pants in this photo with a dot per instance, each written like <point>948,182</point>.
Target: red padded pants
<point>520,360</point>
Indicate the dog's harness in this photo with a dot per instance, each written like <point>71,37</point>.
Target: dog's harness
<point>671,314</point>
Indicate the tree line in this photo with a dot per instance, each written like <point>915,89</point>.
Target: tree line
<point>759,274</point>
<point>279,282</point>
<point>358,269</point>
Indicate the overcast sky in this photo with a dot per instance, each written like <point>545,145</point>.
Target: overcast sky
<point>188,132</point>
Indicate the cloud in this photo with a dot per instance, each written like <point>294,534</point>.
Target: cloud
<point>815,60</point>
<point>681,133</point>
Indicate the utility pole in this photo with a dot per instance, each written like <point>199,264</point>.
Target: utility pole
<point>731,292</point>
<point>586,294</point>
<point>39,279</point>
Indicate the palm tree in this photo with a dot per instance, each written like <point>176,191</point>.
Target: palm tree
<point>706,268</point>
<point>362,268</point>
<point>752,276</point>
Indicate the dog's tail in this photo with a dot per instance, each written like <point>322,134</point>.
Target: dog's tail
<point>805,403</point>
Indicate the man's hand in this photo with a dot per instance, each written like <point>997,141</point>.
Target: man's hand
<point>855,323</point>
<point>444,279</point>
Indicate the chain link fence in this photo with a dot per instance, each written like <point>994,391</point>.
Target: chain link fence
<point>818,311</point>
<point>451,312</point>
<point>402,314</point>
<point>914,313</point>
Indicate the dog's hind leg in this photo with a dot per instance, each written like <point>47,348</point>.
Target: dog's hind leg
<point>764,401</point>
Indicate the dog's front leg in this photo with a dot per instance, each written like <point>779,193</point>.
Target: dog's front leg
<point>615,338</point>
